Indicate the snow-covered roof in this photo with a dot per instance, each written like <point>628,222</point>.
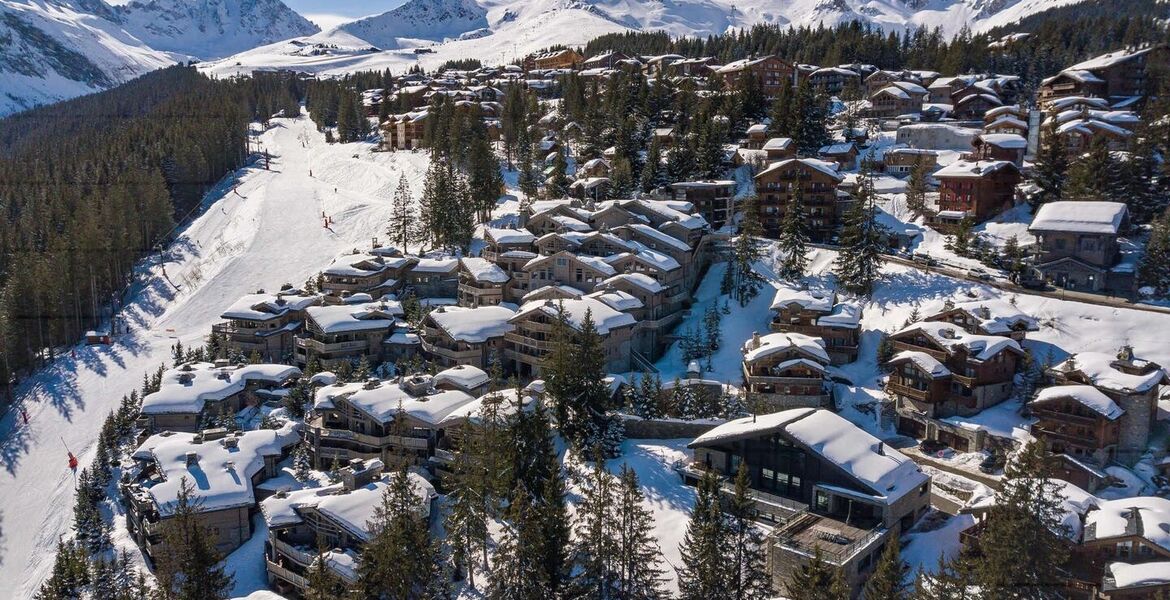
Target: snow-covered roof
<point>845,314</point>
<point>264,307</point>
<point>482,269</point>
<point>977,168</point>
<point>341,318</point>
<point>840,148</point>
<point>817,300</point>
<point>659,236</point>
<point>779,342</point>
<point>1099,368</point>
<point>778,144</point>
<point>828,168</point>
<point>1087,395</point>
<point>436,265</point>
<point>473,325</point>
<point>1108,59</point>
<point>605,318</point>
<point>220,473</point>
<point>641,280</point>
<point>1080,217</point>
<point>866,459</point>
<point>465,377</point>
<point>949,336</point>
<point>617,299</point>
<point>1010,141</point>
<point>1126,575</point>
<point>352,509</point>
<point>1146,516</point>
<point>472,411</point>
<point>925,363</point>
<point>998,316</point>
<point>385,401</point>
<point>185,389</point>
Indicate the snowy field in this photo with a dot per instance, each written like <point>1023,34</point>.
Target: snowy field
<point>260,230</point>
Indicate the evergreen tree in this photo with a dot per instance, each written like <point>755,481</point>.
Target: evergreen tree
<point>1154,269</point>
<point>558,183</point>
<point>1092,176</point>
<point>916,187</point>
<point>782,114</point>
<point>653,174</point>
<point>811,114</point>
<point>595,551</point>
<point>1051,164</point>
<point>858,264</point>
<point>302,465</point>
<point>402,215</point>
<point>476,486</point>
<point>324,584</point>
<point>746,282</point>
<point>818,579</point>
<point>188,566</point>
<point>747,572</point>
<point>887,582</point>
<point>681,163</point>
<point>639,575</point>
<point>621,179</point>
<point>703,549</point>
<point>1024,543</point>
<point>793,241</point>
<point>400,561</point>
<point>519,572</point>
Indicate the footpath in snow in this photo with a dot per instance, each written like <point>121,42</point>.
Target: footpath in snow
<point>261,230</point>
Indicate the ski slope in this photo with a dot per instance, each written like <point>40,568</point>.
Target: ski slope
<point>259,230</point>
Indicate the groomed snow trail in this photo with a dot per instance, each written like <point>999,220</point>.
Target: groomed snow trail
<point>261,230</point>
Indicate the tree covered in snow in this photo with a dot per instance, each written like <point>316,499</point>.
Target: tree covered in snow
<point>793,240</point>
<point>401,229</point>
<point>574,373</point>
<point>645,398</point>
<point>743,280</point>
<point>445,208</point>
<point>653,174</point>
<point>302,464</point>
<point>400,560</point>
<point>477,486</point>
<point>810,118</point>
<point>1092,175</point>
<point>558,182</point>
<point>863,241</point>
<point>70,575</point>
<point>1154,269</point>
<point>916,187</point>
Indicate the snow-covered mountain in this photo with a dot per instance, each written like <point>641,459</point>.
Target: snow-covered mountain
<point>211,28</point>
<point>498,31</point>
<point>52,50</point>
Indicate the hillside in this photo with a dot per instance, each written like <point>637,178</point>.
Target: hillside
<point>211,28</point>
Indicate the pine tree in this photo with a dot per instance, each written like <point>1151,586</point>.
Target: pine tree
<point>639,575</point>
<point>745,252</point>
<point>558,183</point>
<point>858,264</point>
<point>476,486</point>
<point>887,582</point>
<point>1092,176</point>
<point>681,162</point>
<point>782,114</point>
<point>621,179</point>
<point>1154,269</point>
<point>302,465</point>
<point>747,573</point>
<point>653,175</point>
<point>400,561</point>
<point>793,241</point>
<point>595,552</point>
<point>519,572</point>
<point>1051,164</point>
<point>916,187</point>
<point>811,113</point>
<point>817,580</point>
<point>188,566</point>
<point>703,575</point>
<point>402,215</point>
<point>324,584</point>
<point>1024,543</point>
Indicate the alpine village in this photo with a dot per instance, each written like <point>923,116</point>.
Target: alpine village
<point>811,313</point>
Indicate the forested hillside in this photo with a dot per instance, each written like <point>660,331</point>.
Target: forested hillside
<point>1058,38</point>
<point>91,185</point>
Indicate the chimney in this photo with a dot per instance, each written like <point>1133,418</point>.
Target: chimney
<point>755,340</point>
<point>880,448</point>
<point>231,443</point>
<point>192,457</point>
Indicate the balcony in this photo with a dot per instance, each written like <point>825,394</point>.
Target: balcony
<point>470,356</point>
<point>280,572</point>
<point>297,555</point>
<point>1075,439</point>
<point>907,391</point>
<point>541,346</point>
<point>319,347</point>
<point>837,541</point>
<point>325,435</point>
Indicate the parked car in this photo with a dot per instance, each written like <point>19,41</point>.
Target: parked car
<point>925,259</point>
<point>931,447</point>
<point>992,463</point>
<point>980,275</point>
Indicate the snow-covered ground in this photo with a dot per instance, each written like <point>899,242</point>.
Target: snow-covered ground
<point>260,230</point>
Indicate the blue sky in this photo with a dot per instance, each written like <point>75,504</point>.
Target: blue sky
<point>327,13</point>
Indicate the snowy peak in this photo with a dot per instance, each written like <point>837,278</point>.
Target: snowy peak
<point>211,28</point>
<point>421,20</point>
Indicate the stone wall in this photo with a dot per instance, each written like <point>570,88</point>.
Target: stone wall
<point>665,429</point>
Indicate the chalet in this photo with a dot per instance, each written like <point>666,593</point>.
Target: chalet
<point>844,155</point>
<point>405,131</point>
<point>973,106</point>
<point>264,324</point>
<point>526,346</point>
<point>379,420</point>
<point>1115,75</point>
<point>1129,530</point>
<point>833,80</point>
<point>564,267</point>
<point>818,314</point>
<point>896,100</point>
<point>594,168</point>
<point>453,335</point>
<point>657,312</point>
<point>829,487</point>
<point>940,371</point>
<point>975,190</point>
<point>433,278</point>
<point>1078,420</point>
<point>1077,244</point>
<point>345,333</point>
<point>607,60</point>
<point>481,282</point>
<point>900,162</point>
<point>713,199</point>
<point>224,469</point>
<point>991,316</point>
<point>593,188</point>
<point>757,134</point>
<point>369,273</point>
<point>818,181</point>
<point>770,72</point>
<point>881,79</point>
<point>1125,581</point>
<point>557,59</point>
<point>1008,118</point>
<point>779,148</point>
<point>335,517</point>
<point>787,370</point>
<point>1000,146</point>
<point>498,241</point>
<point>1131,383</point>
<point>463,378</point>
<point>192,395</point>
